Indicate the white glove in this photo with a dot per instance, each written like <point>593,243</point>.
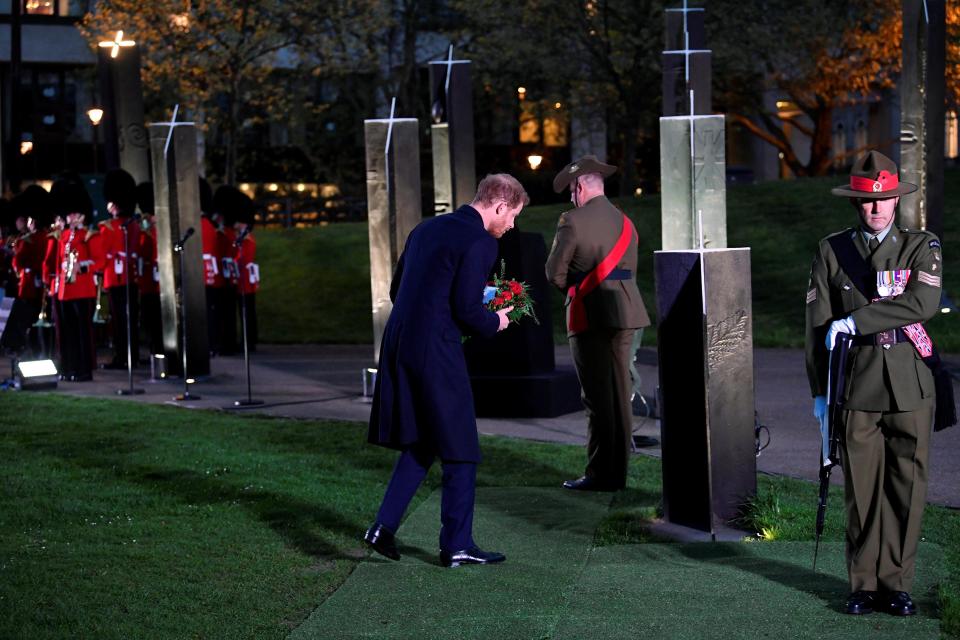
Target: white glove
<point>820,413</point>
<point>845,325</point>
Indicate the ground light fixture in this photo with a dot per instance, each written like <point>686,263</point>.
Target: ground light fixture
<point>33,375</point>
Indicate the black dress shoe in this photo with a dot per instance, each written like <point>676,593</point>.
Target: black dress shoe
<point>382,540</point>
<point>473,555</point>
<point>861,602</point>
<point>586,483</point>
<point>898,603</point>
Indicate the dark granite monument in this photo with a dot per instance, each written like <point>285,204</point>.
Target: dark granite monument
<point>118,68</point>
<point>704,310</point>
<point>393,205</point>
<point>922,87</point>
<point>451,134</point>
<point>177,209</point>
<point>514,374</point>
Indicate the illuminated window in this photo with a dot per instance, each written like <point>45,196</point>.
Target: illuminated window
<point>951,134</point>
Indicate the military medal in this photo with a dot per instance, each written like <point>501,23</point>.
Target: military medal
<point>892,283</point>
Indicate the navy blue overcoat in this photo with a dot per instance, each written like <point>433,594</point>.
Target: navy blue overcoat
<point>423,391</point>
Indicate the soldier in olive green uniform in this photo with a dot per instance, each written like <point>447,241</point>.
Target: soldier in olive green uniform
<point>594,261</point>
<point>889,394</point>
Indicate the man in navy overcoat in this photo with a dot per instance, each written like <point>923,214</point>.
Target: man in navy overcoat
<point>422,402</point>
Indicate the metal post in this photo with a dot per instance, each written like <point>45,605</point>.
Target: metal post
<point>186,395</point>
<point>130,390</point>
<point>246,357</point>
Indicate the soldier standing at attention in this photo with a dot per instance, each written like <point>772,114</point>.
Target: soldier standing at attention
<point>594,262</point>
<point>879,283</point>
<point>120,262</point>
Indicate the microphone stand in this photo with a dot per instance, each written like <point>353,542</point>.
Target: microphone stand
<point>178,248</point>
<point>249,402</point>
<point>130,390</point>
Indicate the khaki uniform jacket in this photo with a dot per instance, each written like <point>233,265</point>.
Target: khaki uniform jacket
<point>585,236</point>
<point>880,379</point>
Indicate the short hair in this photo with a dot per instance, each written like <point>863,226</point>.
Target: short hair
<point>501,186</point>
<point>592,180</point>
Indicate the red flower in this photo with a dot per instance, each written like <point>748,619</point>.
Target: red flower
<point>507,295</point>
<point>515,287</point>
<point>497,301</point>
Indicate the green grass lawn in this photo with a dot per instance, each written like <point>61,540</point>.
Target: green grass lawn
<point>122,520</point>
<point>316,282</point>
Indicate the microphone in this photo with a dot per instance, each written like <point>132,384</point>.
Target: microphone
<point>183,240</point>
<point>243,234</point>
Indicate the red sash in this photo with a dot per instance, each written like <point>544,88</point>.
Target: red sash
<point>577,316</point>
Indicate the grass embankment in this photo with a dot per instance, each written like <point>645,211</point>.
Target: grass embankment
<point>316,286</point>
<point>120,520</point>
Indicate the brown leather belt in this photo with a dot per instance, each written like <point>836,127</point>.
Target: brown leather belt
<point>881,338</point>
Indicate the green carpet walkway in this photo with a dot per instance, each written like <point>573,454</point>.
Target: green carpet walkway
<point>557,585</point>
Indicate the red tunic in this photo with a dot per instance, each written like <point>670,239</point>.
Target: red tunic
<point>50,271</point>
<point>247,266</point>
<point>212,241</point>
<point>115,267</point>
<point>27,262</point>
<point>227,253</point>
<point>148,271</point>
<point>84,244</point>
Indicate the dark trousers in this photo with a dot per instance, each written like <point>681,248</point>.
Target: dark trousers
<point>76,337</point>
<point>23,314</point>
<point>250,301</point>
<point>150,321</point>
<point>118,316</point>
<point>228,319</point>
<point>456,503</point>
<point>602,358</point>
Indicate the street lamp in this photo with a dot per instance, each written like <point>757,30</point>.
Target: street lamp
<point>534,161</point>
<point>95,114</point>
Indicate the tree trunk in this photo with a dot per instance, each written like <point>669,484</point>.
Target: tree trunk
<point>822,143</point>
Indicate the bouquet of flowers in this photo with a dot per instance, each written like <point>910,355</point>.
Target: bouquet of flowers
<point>502,292</point>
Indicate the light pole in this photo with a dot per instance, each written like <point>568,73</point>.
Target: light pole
<point>95,114</point>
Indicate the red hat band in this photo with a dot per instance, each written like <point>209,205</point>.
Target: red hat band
<point>885,181</point>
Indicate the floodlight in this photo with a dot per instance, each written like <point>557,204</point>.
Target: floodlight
<point>31,375</point>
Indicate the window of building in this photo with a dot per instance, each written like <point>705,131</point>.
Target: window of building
<point>951,145</point>
<point>56,8</point>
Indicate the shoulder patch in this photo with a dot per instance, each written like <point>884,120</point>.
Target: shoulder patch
<point>812,296</point>
<point>934,244</point>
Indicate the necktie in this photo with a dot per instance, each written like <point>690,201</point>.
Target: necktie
<point>874,244</point>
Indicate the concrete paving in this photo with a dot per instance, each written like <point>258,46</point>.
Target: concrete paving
<point>325,382</point>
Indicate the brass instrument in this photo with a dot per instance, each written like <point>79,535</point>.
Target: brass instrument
<point>98,317</point>
<point>71,268</point>
<point>43,320</point>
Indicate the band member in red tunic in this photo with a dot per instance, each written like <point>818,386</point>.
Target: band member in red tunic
<point>247,267</point>
<point>120,260</point>
<point>226,201</point>
<point>148,271</point>
<point>79,255</point>
<point>32,210</point>
<point>211,233</point>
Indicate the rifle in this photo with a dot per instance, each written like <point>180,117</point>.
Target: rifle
<point>835,385</point>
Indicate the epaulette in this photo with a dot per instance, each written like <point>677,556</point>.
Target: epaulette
<point>54,233</point>
<point>92,231</point>
<point>108,224</point>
